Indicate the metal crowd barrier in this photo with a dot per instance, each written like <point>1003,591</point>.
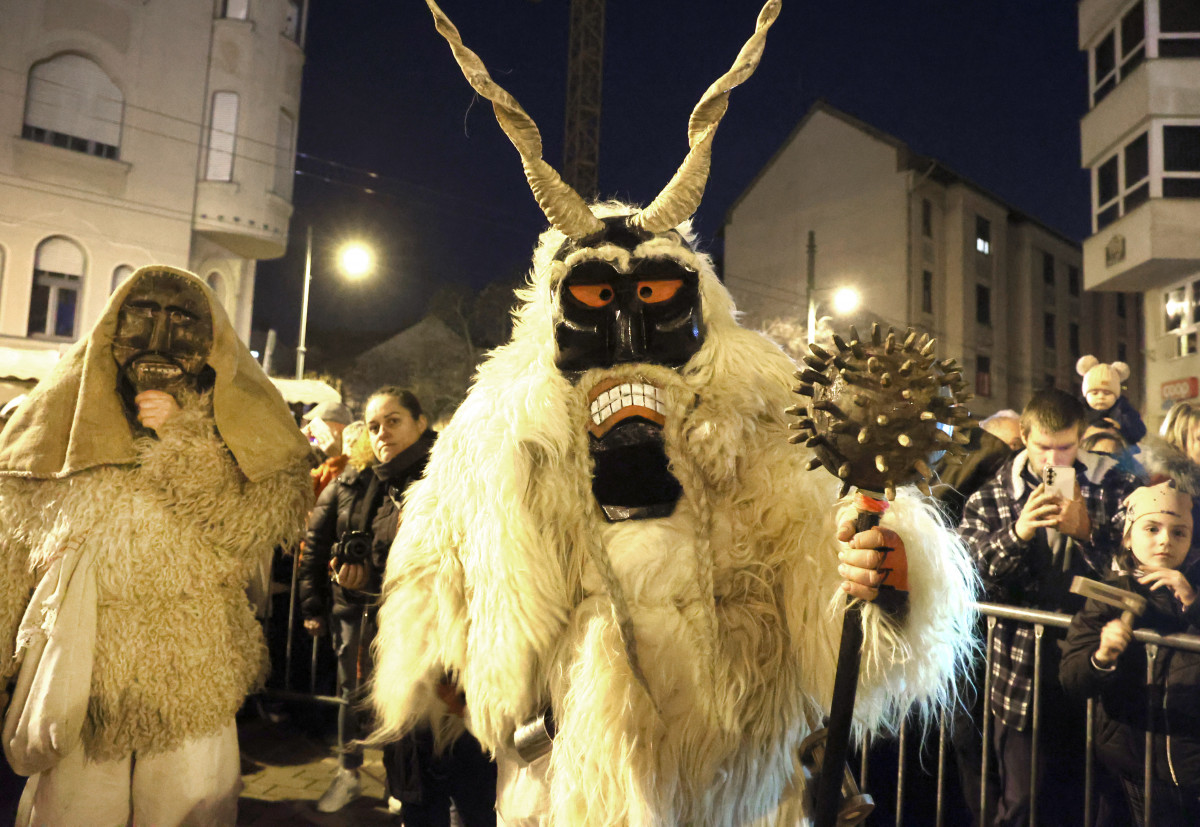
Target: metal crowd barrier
<point>1040,620</point>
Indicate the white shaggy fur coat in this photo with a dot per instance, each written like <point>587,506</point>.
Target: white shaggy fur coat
<point>685,658</point>
<point>178,535</point>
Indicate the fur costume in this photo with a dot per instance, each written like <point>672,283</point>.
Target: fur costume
<point>506,574</point>
<point>178,522</point>
<point>684,640</point>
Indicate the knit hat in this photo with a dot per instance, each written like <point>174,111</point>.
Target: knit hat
<point>1163,498</point>
<point>331,412</point>
<point>1099,376</point>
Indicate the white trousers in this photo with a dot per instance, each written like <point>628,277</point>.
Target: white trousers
<point>196,785</point>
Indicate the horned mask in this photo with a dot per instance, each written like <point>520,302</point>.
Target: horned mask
<point>626,289</point>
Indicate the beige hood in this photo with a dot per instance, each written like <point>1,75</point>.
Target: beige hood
<point>74,419</point>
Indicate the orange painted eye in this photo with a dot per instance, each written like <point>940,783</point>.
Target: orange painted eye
<point>593,295</point>
<point>658,290</point>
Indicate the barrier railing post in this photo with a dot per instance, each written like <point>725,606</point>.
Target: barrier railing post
<point>1035,731</point>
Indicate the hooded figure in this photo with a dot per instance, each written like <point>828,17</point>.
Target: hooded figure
<point>159,452</point>
<point>614,532</point>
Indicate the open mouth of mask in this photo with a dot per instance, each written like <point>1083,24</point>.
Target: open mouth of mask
<point>631,476</point>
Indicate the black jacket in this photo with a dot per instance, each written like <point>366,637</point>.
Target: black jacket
<point>1122,717</point>
<point>341,508</point>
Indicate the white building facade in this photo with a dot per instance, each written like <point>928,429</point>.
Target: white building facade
<point>138,133</point>
<point>1141,141</point>
<point>925,248</point>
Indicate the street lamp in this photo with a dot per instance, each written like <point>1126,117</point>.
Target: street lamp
<point>356,261</point>
<point>845,299</point>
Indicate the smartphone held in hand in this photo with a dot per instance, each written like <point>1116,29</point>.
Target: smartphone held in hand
<point>1060,481</point>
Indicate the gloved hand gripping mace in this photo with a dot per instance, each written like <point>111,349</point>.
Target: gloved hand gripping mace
<point>882,411</point>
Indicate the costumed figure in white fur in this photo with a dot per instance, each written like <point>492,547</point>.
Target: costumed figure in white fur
<point>160,461</point>
<point>615,538</point>
<point>1109,407</point>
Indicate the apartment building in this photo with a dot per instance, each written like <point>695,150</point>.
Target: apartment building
<point>925,248</point>
<point>1141,141</point>
<point>138,133</point>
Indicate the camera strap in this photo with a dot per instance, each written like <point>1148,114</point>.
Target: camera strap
<point>362,514</point>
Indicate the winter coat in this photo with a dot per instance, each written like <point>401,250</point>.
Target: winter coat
<point>1122,713</point>
<point>1129,421</point>
<point>340,509</point>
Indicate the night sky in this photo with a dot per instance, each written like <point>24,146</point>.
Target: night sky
<point>992,90</point>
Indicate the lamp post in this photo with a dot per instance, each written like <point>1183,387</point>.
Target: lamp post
<point>845,299</point>
<point>355,260</point>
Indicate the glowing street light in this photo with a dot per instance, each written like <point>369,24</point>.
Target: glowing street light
<point>355,260</point>
<point>845,299</point>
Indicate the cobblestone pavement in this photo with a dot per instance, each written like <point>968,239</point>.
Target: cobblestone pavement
<point>285,771</point>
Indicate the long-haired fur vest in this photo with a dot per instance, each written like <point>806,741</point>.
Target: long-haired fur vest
<point>684,658</point>
<point>178,535</point>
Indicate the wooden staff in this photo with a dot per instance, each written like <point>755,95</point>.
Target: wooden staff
<point>881,412</point>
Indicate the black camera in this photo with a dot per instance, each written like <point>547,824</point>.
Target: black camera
<point>355,547</point>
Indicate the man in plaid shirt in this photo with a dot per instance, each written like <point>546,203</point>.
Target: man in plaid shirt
<point>1028,544</point>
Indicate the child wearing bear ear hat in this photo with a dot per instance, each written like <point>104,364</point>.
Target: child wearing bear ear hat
<point>1102,391</point>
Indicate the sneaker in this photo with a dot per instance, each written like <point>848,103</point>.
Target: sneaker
<point>345,788</point>
<point>395,805</point>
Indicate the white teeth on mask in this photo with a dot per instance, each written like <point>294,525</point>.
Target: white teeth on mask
<point>623,396</point>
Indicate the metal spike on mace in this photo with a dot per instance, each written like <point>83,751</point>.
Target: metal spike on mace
<point>881,411</point>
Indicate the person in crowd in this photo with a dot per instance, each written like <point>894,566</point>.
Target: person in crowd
<point>1175,455</point>
<point>350,532</point>
<point>1106,441</point>
<point>1102,391</point>
<point>991,444</point>
<point>324,426</point>
<point>148,475</point>
<point>1099,662</point>
<point>1005,425</point>
<point>1028,543</point>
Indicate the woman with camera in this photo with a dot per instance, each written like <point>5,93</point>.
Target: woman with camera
<point>345,553</point>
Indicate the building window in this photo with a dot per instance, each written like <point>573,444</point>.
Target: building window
<point>1122,182</point>
<point>1121,306</point>
<point>1181,161</point>
<point>1073,284</point>
<point>1048,337</point>
<point>1073,340</point>
<point>57,282</point>
<point>1178,28</point>
<point>233,9</point>
<point>285,157</point>
<point>1047,268</point>
<point>291,21</point>
<point>222,137</point>
<point>119,275</point>
<point>983,375</point>
<point>1048,381</point>
<point>70,102</point>
<point>983,305</point>
<point>1122,353</point>
<point>926,218</point>
<point>983,235</point>
<point>1181,315</point>
<point>1119,52</point>
<point>926,292</point>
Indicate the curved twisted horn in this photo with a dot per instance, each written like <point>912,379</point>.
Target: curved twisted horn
<point>565,208</point>
<point>680,198</point>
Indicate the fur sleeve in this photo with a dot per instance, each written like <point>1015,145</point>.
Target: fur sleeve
<point>916,664</point>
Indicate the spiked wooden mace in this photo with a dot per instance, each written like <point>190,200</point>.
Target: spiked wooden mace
<point>881,412</point>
